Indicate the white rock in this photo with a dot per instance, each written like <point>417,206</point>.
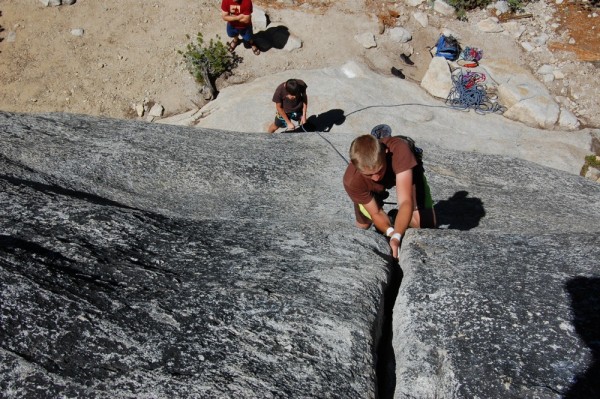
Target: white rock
<point>450,32</point>
<point>540,111</point>
<point>541,39</point>
<point>421,18</point>
<point>68,2</point>
<point>413,3</point>
<point>568,120</point>
<point>545,69</point>
<point>139,110</point>
<point>502,6</point>
<point>188,118</point>
<point>547,78</point>
<point>443,8</point>
<point>490,25</point>
<point>77,32</point>
<point>51,2</point>
<point>11,37</point>
<point>406,49</point>
<point>510,94</point>
<point>527,46</point>
<point>399,35</point>
<point>156,110</point>
<point>437,81</point>
<point>259,19</point>
<point>293,43</point>
<point>558,74</point>
<point>367,39</point>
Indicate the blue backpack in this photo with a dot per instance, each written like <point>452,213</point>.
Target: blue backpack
<point>447,47</point>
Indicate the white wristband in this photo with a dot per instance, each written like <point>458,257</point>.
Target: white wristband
<point>396,236</point>
<point>389,231</point>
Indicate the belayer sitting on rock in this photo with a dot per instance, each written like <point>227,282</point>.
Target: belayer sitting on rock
<point>378,164</point>
<point>291,104</point>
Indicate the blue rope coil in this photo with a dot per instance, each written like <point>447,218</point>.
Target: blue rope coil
<point>467,93</point>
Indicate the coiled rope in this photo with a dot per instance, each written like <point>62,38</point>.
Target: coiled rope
<point>467,92</point>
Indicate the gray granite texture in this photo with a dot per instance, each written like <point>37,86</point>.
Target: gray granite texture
<point>151,261</point>
<point>147,261</point>
<point>504,300</point>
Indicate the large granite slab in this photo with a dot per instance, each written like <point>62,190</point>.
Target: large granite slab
<point>504,300</point>
<point>498,315</point>
<point>144,260</point>
<point>141,260</point>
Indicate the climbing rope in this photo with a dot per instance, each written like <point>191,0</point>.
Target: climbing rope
<point>468,92</point>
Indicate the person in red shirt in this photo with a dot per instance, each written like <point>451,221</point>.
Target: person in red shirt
<point>378,165</point>
<point>238,15</point>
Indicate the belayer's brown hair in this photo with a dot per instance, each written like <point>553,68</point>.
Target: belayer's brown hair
<point>292,87</point>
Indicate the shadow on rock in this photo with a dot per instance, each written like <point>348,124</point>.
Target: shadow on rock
<point>386,358</point>
<point>585,305</point>
<point>325,121</point>
<point>275,37</point>
<point>459,212</point>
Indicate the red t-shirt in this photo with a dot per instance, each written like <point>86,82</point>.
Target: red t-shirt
<point>399,158</point>
<point>236,8</point>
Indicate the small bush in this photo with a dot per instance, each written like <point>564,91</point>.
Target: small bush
<point>462,6</point>
<point>207,63</point>
<point>590,161</point>
<point>516,5</point>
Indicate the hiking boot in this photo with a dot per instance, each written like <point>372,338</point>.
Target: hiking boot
<point>406,60</point>
<point>398,73</point>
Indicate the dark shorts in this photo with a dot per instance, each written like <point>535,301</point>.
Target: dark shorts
<point>280,122</point>
<point>245,33</point>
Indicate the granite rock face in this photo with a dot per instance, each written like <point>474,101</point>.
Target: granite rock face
<point>147,260</point>
<point>142,260</point>
<point>504,301</point>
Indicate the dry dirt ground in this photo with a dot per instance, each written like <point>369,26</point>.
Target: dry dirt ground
<point>128,52</point>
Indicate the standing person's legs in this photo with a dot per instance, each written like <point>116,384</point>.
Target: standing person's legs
<point>233,33</point>
<point>248,37</point>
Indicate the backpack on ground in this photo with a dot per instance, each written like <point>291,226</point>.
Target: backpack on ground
<point>447,47</point>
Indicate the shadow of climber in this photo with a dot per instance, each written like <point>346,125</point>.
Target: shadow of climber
<point>459,212</point>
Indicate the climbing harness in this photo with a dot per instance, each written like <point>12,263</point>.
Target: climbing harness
<point>468,92</point>
<point>472,54</point>
<point>470,57</point>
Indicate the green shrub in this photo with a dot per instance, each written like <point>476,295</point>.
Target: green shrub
<point>517,5</point>
<point>207,63</point>
<point>590,161</point>
<point>462,6</point>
